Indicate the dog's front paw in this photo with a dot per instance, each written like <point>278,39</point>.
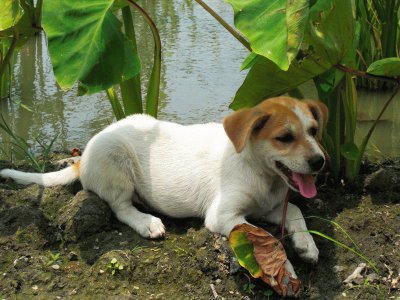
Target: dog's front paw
<point>151,227</point>
<point>305,247</point>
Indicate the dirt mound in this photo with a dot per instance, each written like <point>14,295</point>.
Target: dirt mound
<point>61,242</point>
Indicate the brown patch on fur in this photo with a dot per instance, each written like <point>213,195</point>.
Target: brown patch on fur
<point>77,166</point>
<point>319,111</point>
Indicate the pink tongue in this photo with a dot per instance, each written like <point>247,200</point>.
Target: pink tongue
<point>306,184</point>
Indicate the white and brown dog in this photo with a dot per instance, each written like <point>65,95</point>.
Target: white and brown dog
<point>221,172</point>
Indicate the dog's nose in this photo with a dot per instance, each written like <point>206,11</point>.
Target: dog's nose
<point>316,162</point>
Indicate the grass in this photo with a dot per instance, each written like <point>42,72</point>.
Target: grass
<point>38,162</point>
<point>355,249</point>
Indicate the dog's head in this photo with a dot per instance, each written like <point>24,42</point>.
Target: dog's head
<point>284,134</point>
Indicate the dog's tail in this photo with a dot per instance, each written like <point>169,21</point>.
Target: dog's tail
<point>62,177</point>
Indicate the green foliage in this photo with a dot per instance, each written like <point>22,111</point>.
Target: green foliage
<point>21,146</point>
<point>385,67</point>
<point>380,36</point>
<point>87,47</point>
<point>114,267</point>
<point>355,249</point>
<point>278,30</point>
<point>249,288</point>
<point>53,258</point>
<point>11,13</point>
<point>244,251</point>
<point>323,46</point>
<point>16,19</point>
<point>266,80</point>
<point>293,42</point>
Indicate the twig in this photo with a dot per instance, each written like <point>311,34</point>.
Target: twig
<point>232,31</point>
<point>356,273</point>
<point>365,74</point>
<point>214,291</point>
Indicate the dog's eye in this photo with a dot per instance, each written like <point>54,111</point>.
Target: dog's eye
<point>313,131</point>
<point>286,138</point>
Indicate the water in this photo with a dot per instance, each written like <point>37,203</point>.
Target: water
<point>200,75</point>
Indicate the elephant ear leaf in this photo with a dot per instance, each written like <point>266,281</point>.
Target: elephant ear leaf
<point>264,257</point>
<point>385,67</point>
<point>11,13</point>
<point>275,29</point>
<point>86,45</point>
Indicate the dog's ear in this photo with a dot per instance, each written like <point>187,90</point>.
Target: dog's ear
<point>241,124</point>
<point>320,113</point>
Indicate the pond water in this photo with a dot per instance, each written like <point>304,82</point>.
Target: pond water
<point>200,75</point>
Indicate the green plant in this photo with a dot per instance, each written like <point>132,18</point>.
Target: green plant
<point>19,20</point>
<point>355,249</point>
<point>114,266</point>
<point>295,41</point>
<point>379,36</point>
<point>21,146</point>
<point>248,287</point>
<point>100,55</point>
<point>53,258</point>
<point>267,293</point>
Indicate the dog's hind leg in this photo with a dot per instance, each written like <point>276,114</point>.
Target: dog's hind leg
<point>145,224</point>
<point>114,182</point>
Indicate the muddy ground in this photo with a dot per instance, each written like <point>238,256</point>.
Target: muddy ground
<point>59,243</point>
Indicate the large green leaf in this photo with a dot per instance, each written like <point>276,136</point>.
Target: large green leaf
<point>244,251</point>
<point>385,67</point>
<point>275,29</point>
<point>10,13</point>
<point>329,37</point>
<point>331,29</point>
<point>349,151</point>
<point>266,80</point>
<point>86,45</point>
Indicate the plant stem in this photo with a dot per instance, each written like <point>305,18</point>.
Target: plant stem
<point>365,141</point>
<point>131,92</point>
<point>38,14</point>
<point>231,30</point>
<point>364,74</point>
<point>153,89</point>
<point>116,106</point>
<point>8,56</point>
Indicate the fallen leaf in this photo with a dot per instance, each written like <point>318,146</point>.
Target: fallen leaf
<point>264,257</point>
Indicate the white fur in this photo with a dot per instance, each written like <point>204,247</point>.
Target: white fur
<point>63,177</point>
<point>181,171</point>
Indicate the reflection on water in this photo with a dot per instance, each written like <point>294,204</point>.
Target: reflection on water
<point>385,141</point>
<point>200,75</point>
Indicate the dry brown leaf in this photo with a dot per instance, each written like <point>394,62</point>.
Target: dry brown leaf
<point>271,257</point>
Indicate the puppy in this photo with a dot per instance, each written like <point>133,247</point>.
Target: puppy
<point>220,172</point>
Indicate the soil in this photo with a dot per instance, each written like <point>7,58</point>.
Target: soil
<point>64,243</point>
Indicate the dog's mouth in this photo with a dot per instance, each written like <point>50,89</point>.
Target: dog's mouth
<point>303,183</point>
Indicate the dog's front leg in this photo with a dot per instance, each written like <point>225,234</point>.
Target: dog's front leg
<point>222,216</point>
<point>296,226</point>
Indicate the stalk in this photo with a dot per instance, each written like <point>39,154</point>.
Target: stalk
<point>231,30</point>
<point>116,106</point>
<point>131,91</point>
<point>365,141</point>
<point>4,64</point>
<point>7,58</point>
<point>38,13</point>
<point>153,89</point>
